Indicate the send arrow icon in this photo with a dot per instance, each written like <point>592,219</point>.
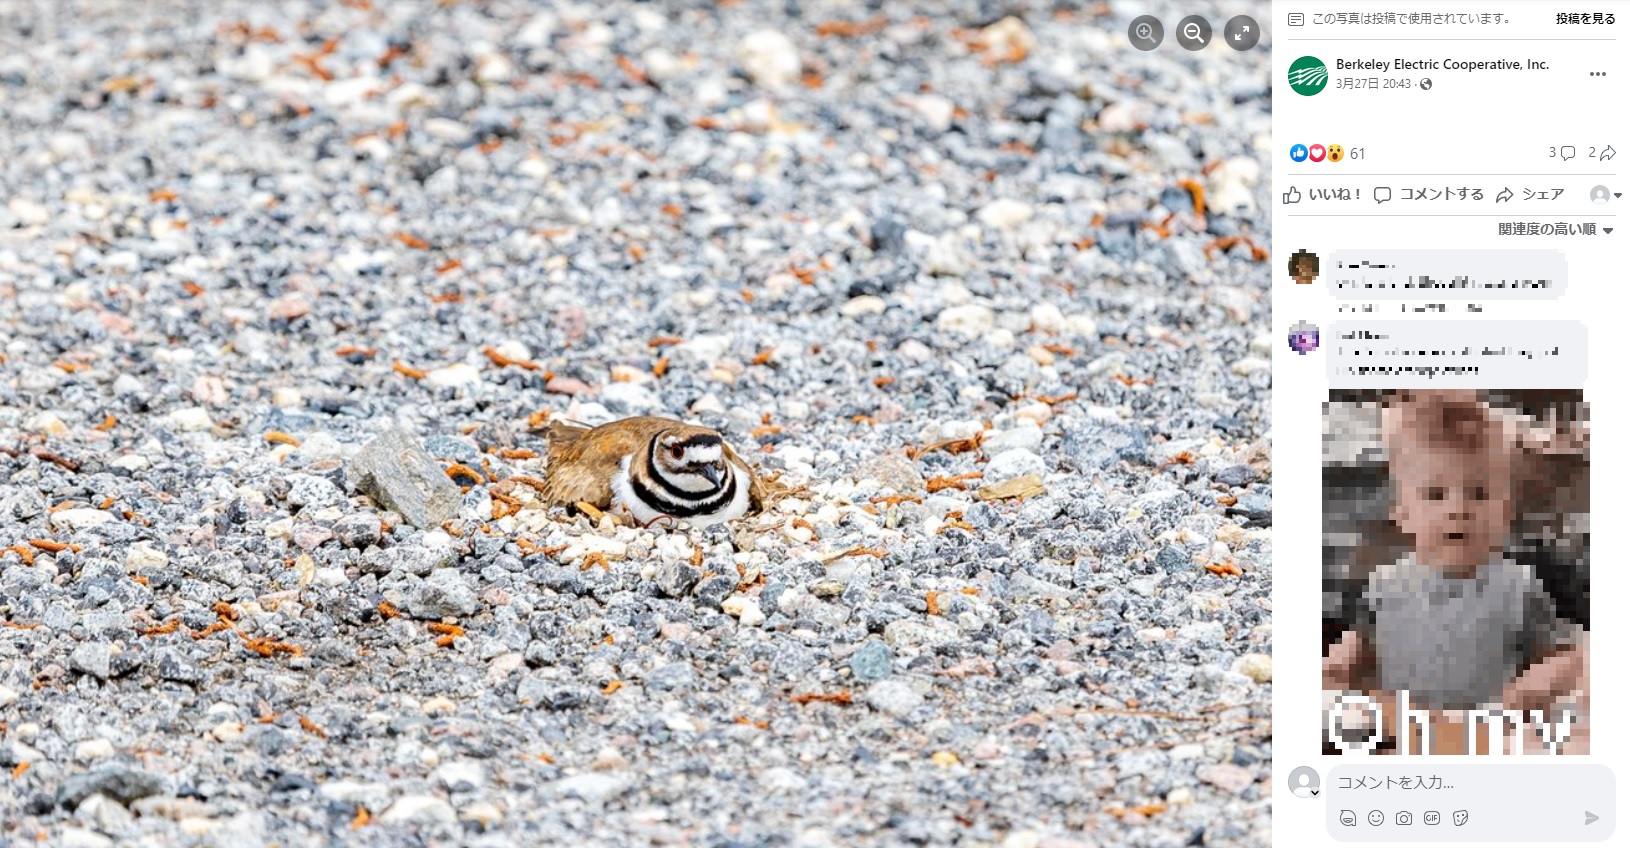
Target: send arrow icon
<point>1590,817</point>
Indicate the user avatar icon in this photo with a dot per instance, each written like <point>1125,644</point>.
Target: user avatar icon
<point>1460,817</point>
<point>1304,782</point>
<point>1304,267</point>
<point>1600,194</point>
<point>1349,818</point>
<point>1336,151</point>
<point>1431,817</point>
<point>1304,337</point>
<point>1378,818</point>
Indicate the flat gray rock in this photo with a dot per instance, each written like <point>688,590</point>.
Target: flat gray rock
<point>397,472</point>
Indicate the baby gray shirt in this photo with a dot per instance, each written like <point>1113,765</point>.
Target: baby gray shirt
<point>1455,642</point>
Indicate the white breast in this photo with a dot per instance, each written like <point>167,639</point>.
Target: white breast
<point>623,498</point>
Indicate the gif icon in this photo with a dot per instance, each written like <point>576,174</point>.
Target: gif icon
<point>1431,817</point>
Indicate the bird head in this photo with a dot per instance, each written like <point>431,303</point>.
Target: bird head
<point>691,461</point>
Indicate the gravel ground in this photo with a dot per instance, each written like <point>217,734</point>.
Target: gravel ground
<point>241,241</point>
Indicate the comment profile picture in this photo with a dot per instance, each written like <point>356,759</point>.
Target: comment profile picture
<point>1303,267</point>
<point>1303,337</point>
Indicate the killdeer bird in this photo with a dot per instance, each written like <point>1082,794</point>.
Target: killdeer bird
<point>650,468</point>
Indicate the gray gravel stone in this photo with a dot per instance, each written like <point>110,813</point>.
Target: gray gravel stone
<point>873,661</point>
<point>358,531</point>
<point>893,697</point>
<point>446,592</point>
<point>675,579</point>
<point>401,476</point>
<point>711,592</point>
<point>93,658</point>
<point>120,783</point>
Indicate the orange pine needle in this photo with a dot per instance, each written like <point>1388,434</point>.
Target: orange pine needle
<point>412,373</point>
<point>842,698</point>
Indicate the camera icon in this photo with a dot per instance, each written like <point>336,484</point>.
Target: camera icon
<point>1431,817</point>
<point>1404,817</point>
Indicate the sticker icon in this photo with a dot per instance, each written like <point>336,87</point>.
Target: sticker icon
<point>1316,153</point>
<point>1336,152</point>
<point>1298,152</point>
<point>1460,817</point>
<point>1307,76</point>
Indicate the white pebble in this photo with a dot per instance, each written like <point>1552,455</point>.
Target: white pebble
<point>1013,463</point>
<point>968,320</point>
<point>453,376</point>
<point>80,519</point>
<point>419,809</point>
<point>866,304</point>
<point>935,110</point>
<point>1005,214</point>
<point>190,420</point>
<point>1026,437</point>
<point>93,749</point>
<point>769,58</point>
<point>1258,667</point>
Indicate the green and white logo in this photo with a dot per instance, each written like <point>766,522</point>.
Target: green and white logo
<point>1308,76</point>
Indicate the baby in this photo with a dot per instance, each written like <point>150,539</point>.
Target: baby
<point>1454,622</point>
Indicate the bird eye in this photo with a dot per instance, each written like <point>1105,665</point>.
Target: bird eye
<point>676,452</point>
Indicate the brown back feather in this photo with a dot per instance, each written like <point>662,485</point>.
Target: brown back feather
<point>582,460</point>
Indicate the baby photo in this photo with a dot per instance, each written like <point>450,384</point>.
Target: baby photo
<point>1456,572</point>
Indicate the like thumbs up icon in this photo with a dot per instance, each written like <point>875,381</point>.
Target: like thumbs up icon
<point>1292,196</point>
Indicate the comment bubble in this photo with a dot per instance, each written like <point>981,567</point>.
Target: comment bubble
<point>1463,354</point>
<point>1445,274</point>
<point>1382,194</point>
<point>1568,152</point>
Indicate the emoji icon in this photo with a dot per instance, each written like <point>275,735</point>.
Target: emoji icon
<point>1404,818</point>
<point>1316,153</point>
<point>1431,817</point>
<point>1298,152</point>
<point>1378,818</point>
<point>1336,152</point>
<point>1460,817</point>
<point>1304,338</point>
<point>1349,818</point>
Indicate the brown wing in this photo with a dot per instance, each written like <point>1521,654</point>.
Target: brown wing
<point>582,461</point>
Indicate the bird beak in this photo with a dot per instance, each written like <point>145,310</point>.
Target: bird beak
<point>712,473</point>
